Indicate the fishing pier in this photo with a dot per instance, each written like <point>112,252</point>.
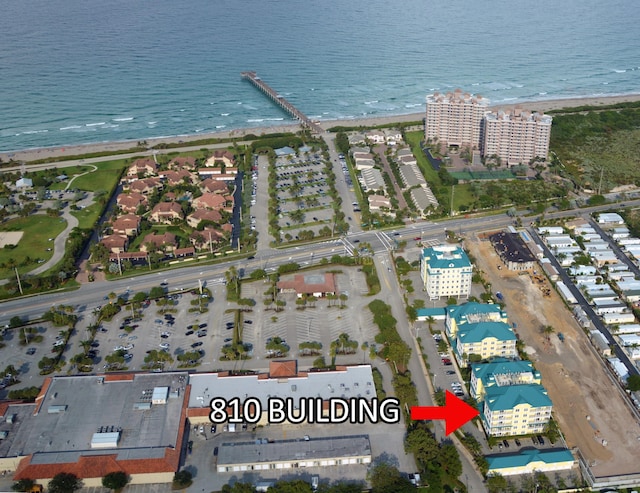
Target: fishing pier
<point>304,120</point>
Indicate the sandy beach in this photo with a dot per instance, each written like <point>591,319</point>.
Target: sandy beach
<point>542,106</point>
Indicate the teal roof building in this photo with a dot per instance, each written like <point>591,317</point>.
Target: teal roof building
<point>446,271</point>
<point>500,372</point>
<point>472,333</point>
<point>513,410</point>
<point>529,461</point>
<point>484,339</point>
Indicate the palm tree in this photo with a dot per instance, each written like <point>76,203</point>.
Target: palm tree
<point>86,345</point>
<point>430,322</point>
<point>343,297</point>
<point>547,330</point>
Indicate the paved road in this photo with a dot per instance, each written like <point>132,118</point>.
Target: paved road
<point>151,152</point>
<point>348,197</point>
<point>391,293</point>
<point>91,294</point>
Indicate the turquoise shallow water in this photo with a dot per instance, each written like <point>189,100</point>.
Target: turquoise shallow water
<point>81,71</point>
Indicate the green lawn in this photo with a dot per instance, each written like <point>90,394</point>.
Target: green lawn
<point>462,195</point>
<point>33,244</point>
<point>87,216</point>
<point>104,178</point>
<point>431,175</point>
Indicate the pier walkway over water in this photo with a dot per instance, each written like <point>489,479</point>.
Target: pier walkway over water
<point>304,120</point>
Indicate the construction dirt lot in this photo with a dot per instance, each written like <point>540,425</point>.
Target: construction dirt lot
<point>589,408</point>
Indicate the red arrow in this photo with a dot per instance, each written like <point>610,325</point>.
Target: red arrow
<point>455,412</point>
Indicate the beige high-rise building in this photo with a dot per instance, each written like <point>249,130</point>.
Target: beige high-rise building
<point>455,118</point>
<point>516,136</point>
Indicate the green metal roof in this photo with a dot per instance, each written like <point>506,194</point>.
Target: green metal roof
<point>445,258</point>
<point>460,313</point>
<point>478,332</point>
<point>500,366</point>
<point>510,396</point>
<point>528,456</point>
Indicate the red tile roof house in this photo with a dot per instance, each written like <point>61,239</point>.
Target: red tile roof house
<point>208,236</point>
<point>166,212</point>
<point>183,162</point>
<point>318,285</point>
<point>211,201</point>
<point>214,186</point>
<point>115,243</point>
<point>66,435</point>
<point>221,158</point>
<point>144,167</point>
<point>184,252</point>
<point>129,202</point>
<point>145,186</point>
<point>178,177</point>
<point>128,225</point>
<point>166,241</point>
<point>200,215</point>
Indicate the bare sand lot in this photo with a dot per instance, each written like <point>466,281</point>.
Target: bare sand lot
<point>51,152</point>
<point>10,237</point>
<point>586,403</point>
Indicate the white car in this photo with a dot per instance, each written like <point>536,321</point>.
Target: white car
<point>128,347</point>
<point>164,345</point>
<point>118,348</point>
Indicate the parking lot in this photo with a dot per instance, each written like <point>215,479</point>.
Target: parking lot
<point>317,322</point>
<point>303,195</point>
<point>386,442</point>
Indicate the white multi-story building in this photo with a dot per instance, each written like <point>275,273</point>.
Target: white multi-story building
<point>516,136</point>
<point>455,118</point>
<point>446,271</point>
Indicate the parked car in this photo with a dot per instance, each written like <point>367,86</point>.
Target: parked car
<point>31,351</point>
<point>540,439</point>
<point>188,333</point>
<point>506,443</point>
<point>196,344</point>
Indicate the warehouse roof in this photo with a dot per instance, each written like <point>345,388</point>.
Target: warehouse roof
<point>344,382</point>
<point>259,451</point>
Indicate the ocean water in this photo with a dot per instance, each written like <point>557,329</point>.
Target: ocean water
<point>82,71</point>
